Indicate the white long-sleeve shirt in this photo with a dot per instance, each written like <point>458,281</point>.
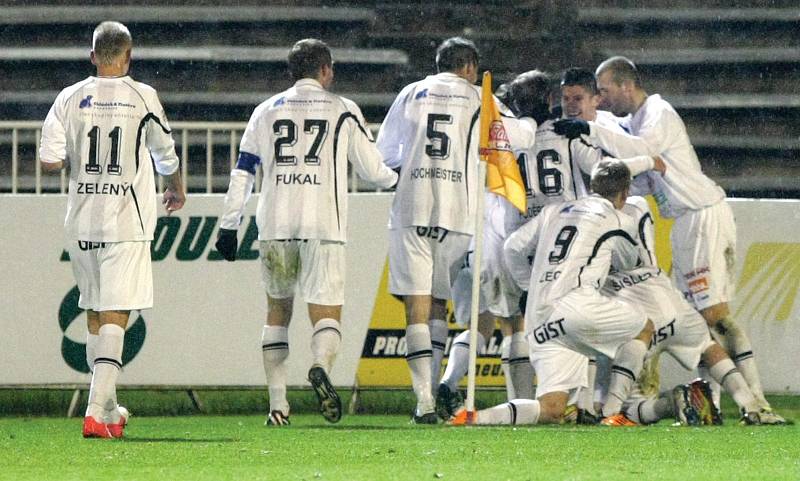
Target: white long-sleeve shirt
<point>303,139</point>
<point>572,245</point>
<point>108,129</point>
<point>657,129</point>
<point>431,134</point>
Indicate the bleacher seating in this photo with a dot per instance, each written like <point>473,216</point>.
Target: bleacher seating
<point>730,68</point>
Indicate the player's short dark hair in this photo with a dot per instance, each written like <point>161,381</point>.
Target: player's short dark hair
<point>307,57</point>
<point>455,53</point>
<point>530,95</point>
<point>581,77</point>
<point>109,41</point>
<point>610,177</point>
<point>621,69</point>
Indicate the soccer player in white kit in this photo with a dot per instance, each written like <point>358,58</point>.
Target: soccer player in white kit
<point>566,316</point>
<point>431,133</point>
<point>303,139</point>
<point>679,330</point>
<point>704,234</point>
<point>107,128</point>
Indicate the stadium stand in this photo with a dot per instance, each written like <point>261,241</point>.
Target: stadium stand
<point>730,68</point>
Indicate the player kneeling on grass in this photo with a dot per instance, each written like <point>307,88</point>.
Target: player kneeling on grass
<point>109,127</point>
<point>303,139</point>
<point>681,331</point>
<point>568,319</point>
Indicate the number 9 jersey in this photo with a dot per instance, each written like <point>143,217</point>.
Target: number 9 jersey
<point>108,129</point>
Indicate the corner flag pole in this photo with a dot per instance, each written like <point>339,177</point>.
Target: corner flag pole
<point>476,281</point>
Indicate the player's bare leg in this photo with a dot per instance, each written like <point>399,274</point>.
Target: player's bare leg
<point>103,419</point>
<point>418,355</point>
<point>275,352</point>
<point>438,329</point>
<point>325,343</point>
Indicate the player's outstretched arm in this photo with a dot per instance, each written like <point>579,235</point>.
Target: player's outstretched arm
<point>51,167</point>
<point>518,251</point>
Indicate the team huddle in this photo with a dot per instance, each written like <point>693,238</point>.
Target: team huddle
<point>573,281</point>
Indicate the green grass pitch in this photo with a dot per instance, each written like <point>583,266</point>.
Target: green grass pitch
<point>371,447</point>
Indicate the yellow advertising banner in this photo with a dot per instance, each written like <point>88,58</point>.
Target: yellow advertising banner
<point>383,361</point>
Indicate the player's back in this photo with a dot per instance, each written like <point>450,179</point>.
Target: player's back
<point>574,250</point>
<point>107,129</point>
<point>548,173</point>
<point>302,137</point>
<point>431,133</point>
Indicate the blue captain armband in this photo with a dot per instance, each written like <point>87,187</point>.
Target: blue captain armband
<point>248,162</point>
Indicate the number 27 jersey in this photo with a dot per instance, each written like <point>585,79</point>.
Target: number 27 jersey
<point>108,129</point>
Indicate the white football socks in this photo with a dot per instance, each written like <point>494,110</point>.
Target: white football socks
<point>586,396</point>
<point>505,351</point>
<point>458,361</point>
<point>626,365</point>
<point>325,343</point>
<point>438,329</point>
<point>518,411</point>
<point>275,350</point>
<point>107,364</point>
<point>725,373</point>
<point>741,351</point>
<point>91,346</point>
<point>418,349</point>
<point>519,365</point>
<point>649,411</point>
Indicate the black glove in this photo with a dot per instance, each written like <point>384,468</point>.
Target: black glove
<point>226,244</point>
<point>571,128</point>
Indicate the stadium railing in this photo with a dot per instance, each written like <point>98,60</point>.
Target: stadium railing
<point>208,150</point>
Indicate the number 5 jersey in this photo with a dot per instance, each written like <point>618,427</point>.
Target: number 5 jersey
<point>431,134</point>
<point>109,129</point>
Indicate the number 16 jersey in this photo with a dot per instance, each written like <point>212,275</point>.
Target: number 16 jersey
<point>108,129</point>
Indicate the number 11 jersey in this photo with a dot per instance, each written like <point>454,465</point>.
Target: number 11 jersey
<point>108,129</point>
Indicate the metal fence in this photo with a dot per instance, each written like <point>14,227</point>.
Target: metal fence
<point>208,150</point>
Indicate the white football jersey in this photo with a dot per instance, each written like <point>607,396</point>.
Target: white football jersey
<point>303,139</point>
<point>572,244</point>
<point>656,129</point>
<point>108,129</point>
<point>636,207</point>
<point>431,134</point>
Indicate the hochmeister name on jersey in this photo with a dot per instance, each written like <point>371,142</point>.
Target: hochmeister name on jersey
<point>436,173</point>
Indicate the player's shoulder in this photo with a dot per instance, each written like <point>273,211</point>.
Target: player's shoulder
<point>68,92</point>
<point>521,131</point>
<point>636,206</point>
<point>610,121</point>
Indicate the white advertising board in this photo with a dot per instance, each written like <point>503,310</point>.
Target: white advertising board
<point>205,328</point>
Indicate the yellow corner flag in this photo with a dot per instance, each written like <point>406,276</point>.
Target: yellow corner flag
<point>502,172</point>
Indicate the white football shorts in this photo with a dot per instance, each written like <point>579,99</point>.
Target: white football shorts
<point>499,293</point>
<point>425,260</point>
<point>679,328</point>
<point>312,269</point>
<point>588,322</point>
<point>703,255</point>
<point>112,276</point>
<point>558,368</point>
